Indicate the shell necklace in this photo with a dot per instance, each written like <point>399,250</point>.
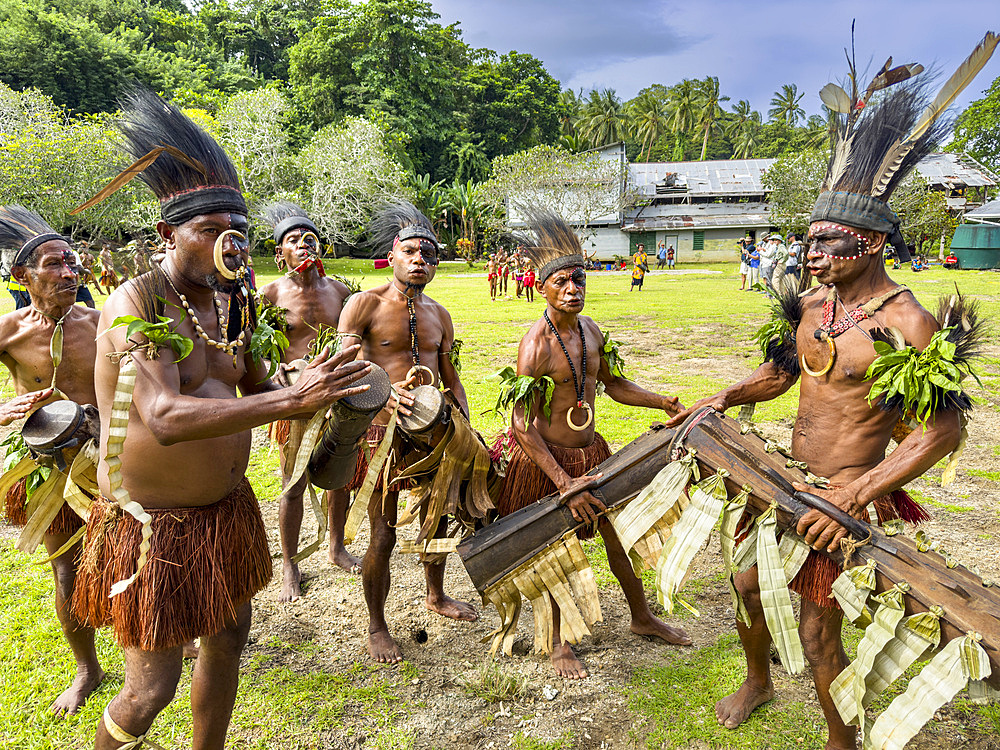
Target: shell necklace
<point>580,383</point>
<point>229,347</point>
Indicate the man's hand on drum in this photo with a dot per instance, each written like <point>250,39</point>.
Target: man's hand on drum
<point>19,406</point>
<point>328,378</point>
<point>401,395</point>
<point>717,402</point>
<point>583,505</point>
<point>818,529</point>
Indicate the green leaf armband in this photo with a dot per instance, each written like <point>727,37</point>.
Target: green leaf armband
<point>158,335</point>
<point>919,382</point>
<point>611,353</point>
<point>524,391</point>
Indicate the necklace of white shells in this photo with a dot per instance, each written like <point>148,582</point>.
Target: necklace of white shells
<point>227,347</point>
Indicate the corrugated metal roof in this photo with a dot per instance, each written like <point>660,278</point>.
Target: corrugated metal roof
<point>743,176</point>
<point>698,216</point>
<point>704,178</point>
<point>954,170</point>
<point>989,210</point>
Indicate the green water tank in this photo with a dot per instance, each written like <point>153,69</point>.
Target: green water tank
<point>977,246</point>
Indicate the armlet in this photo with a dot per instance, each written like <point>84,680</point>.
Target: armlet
<point>776,338</point>
<point>610,353</point>
<point>920,383</point>
<point>524,391</point>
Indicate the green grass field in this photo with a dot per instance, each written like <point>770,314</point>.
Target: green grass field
<point>689,320</point>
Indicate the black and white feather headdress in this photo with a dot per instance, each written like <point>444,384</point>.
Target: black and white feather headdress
<point>21,233</point>
<point>284,216</point>
<point>183,165</point>
<point>551,243</point>
<point>882,132</point>
<point>397,222</point>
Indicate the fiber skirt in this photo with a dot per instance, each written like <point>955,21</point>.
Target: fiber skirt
<point>524,483</point>
<point>15,509</point>
<point>203,564</point>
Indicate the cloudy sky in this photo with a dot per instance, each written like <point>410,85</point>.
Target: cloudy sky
<point>753,47</point>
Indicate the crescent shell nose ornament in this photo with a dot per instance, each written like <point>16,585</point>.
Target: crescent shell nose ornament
<point>590,417</point>
<point>219,265</point>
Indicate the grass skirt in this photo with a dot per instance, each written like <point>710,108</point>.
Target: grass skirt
<point>204,563</point>
<point>15,509</point>
<point>524,483</point>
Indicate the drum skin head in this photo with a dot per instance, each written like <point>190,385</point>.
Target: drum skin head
<point>52,424</point>
<point>428,407</point>
<point>376,397</point>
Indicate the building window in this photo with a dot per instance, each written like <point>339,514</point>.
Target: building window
<point>699,240</point>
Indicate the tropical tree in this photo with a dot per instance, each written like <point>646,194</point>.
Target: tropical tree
<point>603,118</point>
<point>351,172</point>
<point>785,105</point>
<point>708,112</point>
<point>743,129</point>
<point>650,120</point>
<point>570,104</point>
<point>977,129</point>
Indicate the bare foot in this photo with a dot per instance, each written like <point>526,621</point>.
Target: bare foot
<point>733,710</point>
<point>448,607</point>
<point>565,663</point>
<point>291,583</point>
<point>190,650</point>
<point>654,627</point>
<point>73,697</point>
<point>383,649</point>
<point>340,557</point>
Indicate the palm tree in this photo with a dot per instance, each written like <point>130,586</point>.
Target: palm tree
<point>743,129</point>
<point>709,112</point>
<point>683,100</point>
<point>816,133</point>
<point>569,111</point>
<point>572,142</point>
<point>603,118</point>
<point>748,139</point>
<point>650,119</point>
<point>785,105</point>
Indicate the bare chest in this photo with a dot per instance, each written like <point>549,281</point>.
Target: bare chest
<point>848,354</point>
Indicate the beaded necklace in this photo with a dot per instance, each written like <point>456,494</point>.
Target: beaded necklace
<point>579,384</point>
<point>227,347</point>
<point>829,330</point>
<point>412,310</point>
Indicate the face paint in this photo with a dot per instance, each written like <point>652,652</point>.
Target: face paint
<point>824,240</point>
<point>429,252</point>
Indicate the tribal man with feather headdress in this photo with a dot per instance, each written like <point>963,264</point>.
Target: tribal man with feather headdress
<point>175,546</point>
<point>412,338</point>
<point>556,443</point>
<point>833,340</point>
<point>308,303</point>
<point>49,348</point>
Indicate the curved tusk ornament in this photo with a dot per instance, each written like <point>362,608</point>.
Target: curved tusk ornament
<point>219,265</point>
<point>829,364</point>
<point>590,417</point>
<point>421,370</point>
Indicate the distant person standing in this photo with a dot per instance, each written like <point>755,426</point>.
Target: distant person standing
<point>640,258</point>
<point>780,255</point>
<point>529,283</point>
<point>744,262</point>
<point>661,256</point>
<point>638,274</point>
<point>670,257</point>
<point>754,262</point>
<point>766,252</point>
<point>794,262</point>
